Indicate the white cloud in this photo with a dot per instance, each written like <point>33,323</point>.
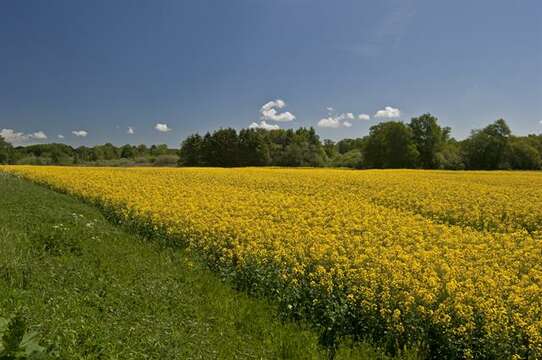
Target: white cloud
<point>263,125</point>
<point>329,122</point>
<point>541,121</point>
<point>270,112</point>
<point>162,127</point>
<point>60,136</point>
<point>80,133</point>
<point>13,137</point>
<point>38,135</point>
<point>18,138</point>
<point>388,112</point>
<point>130,130</point>
<point>336,121</point>
<point>329,108</point>
<point>364,117</point>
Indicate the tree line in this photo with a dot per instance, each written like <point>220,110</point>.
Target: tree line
<point>99,155</point>
<point>421,143</point>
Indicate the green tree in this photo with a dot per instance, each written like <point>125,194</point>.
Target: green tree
<point>279,140</point>
<point>142,150</point>
<point>429,138</point>
<point>390,145</point>
<point>207,150</point>
<point>351,159</point>
<point>5,151</point>
<point>55,156</point>
<point>535,141</point>
<point>450,156</point>
<point>522,156</point>
<point>157,150</point>
<point>127,151</point>
<point>85,153</point>
<point>221,148</point>
<point>330,148</point>
<point>303,148</point>
<point>346,145</point>
<point>46,153</point>
<point>107,151</point>
<point>190,152</point>
<point>486,148</point>
<point>253,148</point>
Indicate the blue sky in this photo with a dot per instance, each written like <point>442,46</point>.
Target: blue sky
<point>104,66</point>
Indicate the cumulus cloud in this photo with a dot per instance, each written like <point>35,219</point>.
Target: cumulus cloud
<point>336,121</point>
<point>13,137</point>
<point>162,127</point>
<point>263,125</point>
<point>80,133</point>
<point>329,122</point>
<point>60,136</point>
<point>130,130</point>
<point>18,138</point>
<point>388,112</point>
<point>39,135</point>
<point>364,117</point>
<point>329,108</point>
<point>271,112</point>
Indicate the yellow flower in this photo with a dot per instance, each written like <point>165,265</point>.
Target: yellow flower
<point>454,251</point>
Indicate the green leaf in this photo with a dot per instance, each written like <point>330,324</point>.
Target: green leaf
<point>30,344</point>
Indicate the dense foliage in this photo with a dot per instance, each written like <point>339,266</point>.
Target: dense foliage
<point>253,147</point>
<point>99,155</point>
<point>18,343</point>
<point>420,144</point>
<point>448,263</point>
<point>5,151</point>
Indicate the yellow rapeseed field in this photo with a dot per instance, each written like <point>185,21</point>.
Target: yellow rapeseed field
<point>447,262</point>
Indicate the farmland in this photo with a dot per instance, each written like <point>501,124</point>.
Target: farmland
<point>90,289</point>
<point>448,263</point>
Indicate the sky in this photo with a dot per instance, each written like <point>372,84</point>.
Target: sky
<point>90,72</point>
